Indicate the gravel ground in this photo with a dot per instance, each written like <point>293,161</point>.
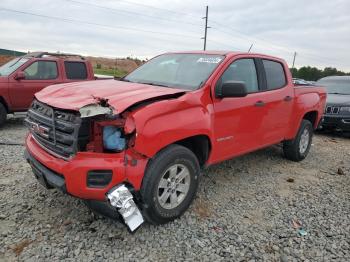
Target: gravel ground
<point>243,211</point>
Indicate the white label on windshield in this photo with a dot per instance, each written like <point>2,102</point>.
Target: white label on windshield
<point>212,60</point>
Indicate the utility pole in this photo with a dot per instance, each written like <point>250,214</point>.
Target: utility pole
<point>295,54</point>
<point>206,28</point>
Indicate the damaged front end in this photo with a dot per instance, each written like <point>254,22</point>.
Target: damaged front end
<point>111,133</point>
<point>90,142</point>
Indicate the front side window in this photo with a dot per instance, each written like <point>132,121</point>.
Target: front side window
<point>242,70</point>
<point>41,70</point>
<point>75,70</point>
<point>184,71</point>
<point>12,66</point>
<point>275,77</point>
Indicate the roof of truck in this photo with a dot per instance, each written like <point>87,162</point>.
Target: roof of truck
<point>53,55</point>
<point>223,52</point>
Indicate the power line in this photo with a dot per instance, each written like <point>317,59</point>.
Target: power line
<point>69,20</point>
<point>112,9</point>
<point>270,45</point>
<point>248,37</point>
<point>157,8</point>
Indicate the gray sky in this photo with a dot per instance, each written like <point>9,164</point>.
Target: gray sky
<point>318,30</point>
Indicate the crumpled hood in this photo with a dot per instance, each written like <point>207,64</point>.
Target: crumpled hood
<point>120,95</point>
<point>334,99</point>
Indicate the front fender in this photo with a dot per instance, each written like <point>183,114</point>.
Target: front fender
<point>165,122</point>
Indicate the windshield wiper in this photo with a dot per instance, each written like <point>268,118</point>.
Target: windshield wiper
<point>152,84</point>
<point>335,93</point>
<point>121,79</point>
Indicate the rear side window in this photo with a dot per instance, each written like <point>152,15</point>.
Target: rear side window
<point>41,70</point>
<point>75,70</point>
<point>275,76</point>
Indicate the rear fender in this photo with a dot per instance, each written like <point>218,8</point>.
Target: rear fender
<point>305,103</point>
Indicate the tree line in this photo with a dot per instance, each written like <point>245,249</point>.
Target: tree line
<point>313,74</point>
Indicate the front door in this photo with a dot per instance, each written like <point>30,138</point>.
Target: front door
<point>38,75</point>
<point>238,121</point>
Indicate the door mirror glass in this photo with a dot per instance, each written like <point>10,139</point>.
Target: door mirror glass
<point>20,75</point>
<point>231,89</point>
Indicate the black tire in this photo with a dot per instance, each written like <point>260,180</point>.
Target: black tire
<point>292,148</point>
<point>3,114</point>
<point>171,156</point>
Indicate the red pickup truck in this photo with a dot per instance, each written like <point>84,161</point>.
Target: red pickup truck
<point>135,147</point>
<point>22,77</point>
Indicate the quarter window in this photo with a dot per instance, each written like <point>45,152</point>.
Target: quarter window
<point>242,70</point>
<point>41,70</point>
<point>75,70</point>
<point>275,77</point>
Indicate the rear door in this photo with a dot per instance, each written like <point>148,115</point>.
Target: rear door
<point>277,98</point>
<point>38,75</point>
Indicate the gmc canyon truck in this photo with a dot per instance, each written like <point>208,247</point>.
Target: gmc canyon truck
<point>134,148</point>
<point>23,76</point>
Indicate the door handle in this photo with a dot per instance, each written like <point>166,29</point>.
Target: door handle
<point>288,98</point>
<point>260,104</point>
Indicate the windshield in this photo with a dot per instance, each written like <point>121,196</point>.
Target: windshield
<point>336,86</point>
<point>184,71</point>
<point>12,66</point>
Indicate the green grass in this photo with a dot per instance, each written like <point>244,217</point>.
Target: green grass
<point>110,72</point>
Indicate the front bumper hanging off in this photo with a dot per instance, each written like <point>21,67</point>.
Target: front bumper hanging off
<point>71,178</point>
<point>121,199</point>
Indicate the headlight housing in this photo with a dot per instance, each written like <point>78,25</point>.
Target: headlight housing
<point>112,138</point>
<point>345,109</point>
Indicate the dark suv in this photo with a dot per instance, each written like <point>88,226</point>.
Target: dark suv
<point>337,111</point>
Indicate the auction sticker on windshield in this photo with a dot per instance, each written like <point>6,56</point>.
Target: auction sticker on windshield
<point>212,60</point>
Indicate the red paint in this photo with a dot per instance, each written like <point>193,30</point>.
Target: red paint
<point>18,94</point>
<point>234,126</point>
<point>120,95</point>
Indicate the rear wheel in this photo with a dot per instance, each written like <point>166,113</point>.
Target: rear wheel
<point>298,148</point>
<point>170,184</point>
<point>3,114</point>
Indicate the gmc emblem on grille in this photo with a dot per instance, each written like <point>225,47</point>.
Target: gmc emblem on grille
<point>39,129</point>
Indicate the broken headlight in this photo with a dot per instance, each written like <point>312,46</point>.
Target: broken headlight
<point>112,138</point>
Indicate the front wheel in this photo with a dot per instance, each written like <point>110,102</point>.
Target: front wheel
<point>170,184</point>
<point>298,148</point>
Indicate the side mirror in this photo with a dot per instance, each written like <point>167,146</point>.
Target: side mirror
<point>231,89</point>
<point>20,75</point>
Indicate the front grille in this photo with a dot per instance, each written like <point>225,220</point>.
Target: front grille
<point>60,132</point>
<point>331,110</point>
